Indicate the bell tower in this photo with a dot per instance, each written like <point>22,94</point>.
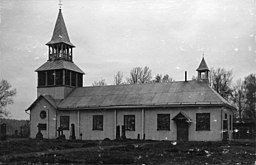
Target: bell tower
<point>59,75</point>
<point>203,71</point>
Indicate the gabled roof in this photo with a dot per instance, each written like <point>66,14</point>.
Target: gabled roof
<point>181,116</point>
<point>203,66</point>
<point>48,98</point>
<point>191,93</point>
<point>59,64</point>
<point>60,33</point>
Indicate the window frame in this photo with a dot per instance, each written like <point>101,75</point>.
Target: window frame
<point>59,77</point>
<point>129,122</point>
<point>50,78</point>
<point>43,114</point>
<point>79,80</point>
<point>41,78</point>
<point>42,126</point>
<point>205,123</point>
<point>73,79</point>
<point>160,120</point>
<point>97,122</point>
<point>230,122</point>
<point>65,119</point>
<point>225,122</point>
<point>67,77</point>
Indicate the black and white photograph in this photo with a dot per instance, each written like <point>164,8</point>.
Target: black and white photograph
<point>139,82</point>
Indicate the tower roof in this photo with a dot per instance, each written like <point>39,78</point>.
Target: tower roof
<point>59,64</point>
<point>60,33</point>
<point>203,66</point>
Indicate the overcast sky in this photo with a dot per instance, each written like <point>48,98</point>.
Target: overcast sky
<point>169,36</point>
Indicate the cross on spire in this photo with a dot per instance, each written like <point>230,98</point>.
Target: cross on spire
<point>60,4</point>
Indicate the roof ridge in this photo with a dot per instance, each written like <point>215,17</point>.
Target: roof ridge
<point>192,93</point>
<point>136,84</point>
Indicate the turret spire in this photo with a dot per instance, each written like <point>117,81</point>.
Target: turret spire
<point>203,71</point>
<point>203,66</point>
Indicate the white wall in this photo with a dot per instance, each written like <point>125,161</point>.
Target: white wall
<point>86,124</point>
<point>138,122</point>
<point>83,121</point>
<point>228,112</point>
<point>113,118</point>
<point>56,92</point>
<point>213,135</point>
<point>73,119</point>
<point>50,119</point>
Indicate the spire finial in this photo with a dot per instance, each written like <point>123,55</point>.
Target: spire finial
<point>203,54</point>
<point>60,4</point>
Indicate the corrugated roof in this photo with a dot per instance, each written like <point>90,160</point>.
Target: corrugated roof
<point>155,94</point>
<point>60,33</point>
<point>203,66</point>
<point>59,64</point>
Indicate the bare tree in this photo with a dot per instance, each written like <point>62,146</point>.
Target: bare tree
<point>99,83</point>
<point>6,96</point>
<point>238,97</point>
<point>221,80</point>
<point>139,75</point>
<point>159,78</point>
<point>118,78</point>
<point>250,94</point>
<point>167,78</point>
<point>135,73</point>
<point>146,75</point>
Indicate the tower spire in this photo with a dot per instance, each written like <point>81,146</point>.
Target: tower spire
<point>60,33</point>
<point>59,75</point>
<point>60,47</point>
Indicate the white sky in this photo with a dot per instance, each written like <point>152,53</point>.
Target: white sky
<point>169,36</point>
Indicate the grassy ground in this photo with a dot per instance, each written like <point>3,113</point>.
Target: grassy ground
<point>128,152</point>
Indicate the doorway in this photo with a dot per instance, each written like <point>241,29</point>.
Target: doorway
<point>182,130</point>
<point>182,124</point>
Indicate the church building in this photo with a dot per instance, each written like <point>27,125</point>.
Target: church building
<point>180,110</point>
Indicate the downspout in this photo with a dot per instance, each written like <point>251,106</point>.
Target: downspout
<point>221,124</point>
<point>115,123</point>
<point>29,122</point>
<point>142,123</point>
<point>56,123</point>
<point>48,123</point>
<point>78,116</point>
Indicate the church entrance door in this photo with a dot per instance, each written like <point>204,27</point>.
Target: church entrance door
<point>182,123</point>
<point>182,130</point>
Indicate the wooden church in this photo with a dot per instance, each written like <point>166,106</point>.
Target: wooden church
<point>181,110</point>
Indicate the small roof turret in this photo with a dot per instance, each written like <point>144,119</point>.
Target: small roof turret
<point>203,66</point>
<point>60,33</point>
